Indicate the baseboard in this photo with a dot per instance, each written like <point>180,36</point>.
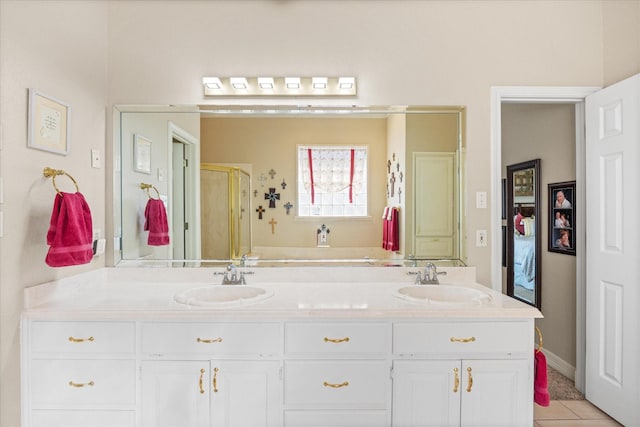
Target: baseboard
<point>560,365</point>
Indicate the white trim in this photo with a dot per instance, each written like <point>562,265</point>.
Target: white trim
<point>192,147</point>
<point>548,95</point>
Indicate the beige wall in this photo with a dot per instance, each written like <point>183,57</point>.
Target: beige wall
<point>547,132</point>
<point>268,143</point>
<point>440,53</point>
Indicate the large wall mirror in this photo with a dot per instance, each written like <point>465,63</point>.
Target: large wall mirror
<point>228,177</point>
<point>523,232</point>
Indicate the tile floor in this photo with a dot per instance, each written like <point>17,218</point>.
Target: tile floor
<point>571,413</point>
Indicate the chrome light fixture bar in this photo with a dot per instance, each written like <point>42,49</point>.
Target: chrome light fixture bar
<point>279,86</point>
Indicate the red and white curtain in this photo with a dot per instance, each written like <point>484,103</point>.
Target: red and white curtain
<point>331,170</point>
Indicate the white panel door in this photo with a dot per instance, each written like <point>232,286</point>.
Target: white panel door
<point>612,380</point>
<point>426,393</point>
<point>246,394</point>
<point>435,204</point>
<point>496,393</point>
<point>175,394</point>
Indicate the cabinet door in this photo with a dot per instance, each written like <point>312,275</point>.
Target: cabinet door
<point>496,393</point>
<point>426,393</point>
<point>175,394</point>
<point>246,394</point>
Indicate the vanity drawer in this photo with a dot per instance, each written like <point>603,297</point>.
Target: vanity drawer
<point>82,383</point>
<point>336,419</point>
<point>337,383</point>
<point>461,338</point>
<point>210,339</point>
<point>82,338</point>
<point>337,338</point>
<point>48,418</point>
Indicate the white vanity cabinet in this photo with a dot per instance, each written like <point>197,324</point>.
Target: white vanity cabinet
<point>79,374</point>
<point>302,358</point>
<point>210,374</point>
<point>337,374</point>
<point>462,374</point>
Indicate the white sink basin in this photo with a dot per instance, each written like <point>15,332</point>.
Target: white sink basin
<point>223,295</point>
<point>443,294</point>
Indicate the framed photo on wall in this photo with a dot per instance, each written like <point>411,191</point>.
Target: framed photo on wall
<point>49,123</point>
<point>562,219</point>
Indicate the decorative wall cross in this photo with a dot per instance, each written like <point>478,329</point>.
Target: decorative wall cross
<point>255,193</point>
<point>389,166</point>
<point>260,211</point>
<point>288,207</point>
<point>392,181</point>
<point>272,196</point>
<point>273,223</point>
<point>262,179</point>
<point>272,173</point>
<point>399,194</point>
<point>284,184</point>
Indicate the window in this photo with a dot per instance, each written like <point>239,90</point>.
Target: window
<point>332,181</point>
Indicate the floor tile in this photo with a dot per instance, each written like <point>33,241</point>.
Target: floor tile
<point>578,423</point>
<point>555,411</point>
<point>584,409</point>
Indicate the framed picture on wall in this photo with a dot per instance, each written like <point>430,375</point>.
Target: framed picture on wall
<point>562,219</point>
<point>49,123</point>
<point>141,154</point>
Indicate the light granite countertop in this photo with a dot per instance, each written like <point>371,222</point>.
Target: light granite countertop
<point>295,293</point>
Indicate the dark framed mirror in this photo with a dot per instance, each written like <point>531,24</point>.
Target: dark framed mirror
<point>523,232</point>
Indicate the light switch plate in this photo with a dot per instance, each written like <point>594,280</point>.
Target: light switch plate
<point>96,160</point>
<point>481,199</point>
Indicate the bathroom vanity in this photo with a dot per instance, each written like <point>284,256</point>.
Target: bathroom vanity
<point>320,347</point>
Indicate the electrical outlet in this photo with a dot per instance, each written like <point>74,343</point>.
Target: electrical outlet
<point>481,238</point>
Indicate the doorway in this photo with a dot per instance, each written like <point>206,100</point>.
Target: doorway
<point>184,179</point>
<point>568,95</point>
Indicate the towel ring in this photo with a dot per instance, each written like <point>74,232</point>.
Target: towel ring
<point>52,173</point>
<point>539,340</point>
<point>146,187</point>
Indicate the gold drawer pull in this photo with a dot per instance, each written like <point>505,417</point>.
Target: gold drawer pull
<point>456,380</point>
<point>208,341</point>
<point>344,384</point>
<point>215,379</point>
<point>470,384</point>
<point>455,339</point>
<point>78,385</point>
<point>200,382</point>
<point>336,340</point>
<point>72,339</point>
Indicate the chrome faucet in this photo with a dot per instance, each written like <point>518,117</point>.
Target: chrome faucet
<point>232,277</point>
<point>430,275</point>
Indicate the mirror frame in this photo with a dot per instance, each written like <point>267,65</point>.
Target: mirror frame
<point>511,170</point>
<point>114,227</point>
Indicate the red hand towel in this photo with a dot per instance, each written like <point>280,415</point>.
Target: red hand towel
<point>393,231</point>
<point>70,234</point>
<point>540,380</point>
<point>156,223</point>
<point>385,229</point>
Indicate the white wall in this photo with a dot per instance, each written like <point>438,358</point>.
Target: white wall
<point>403,52</point>
<point>59,48</point>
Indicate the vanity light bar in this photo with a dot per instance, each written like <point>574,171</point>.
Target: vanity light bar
<point>279,86</point>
